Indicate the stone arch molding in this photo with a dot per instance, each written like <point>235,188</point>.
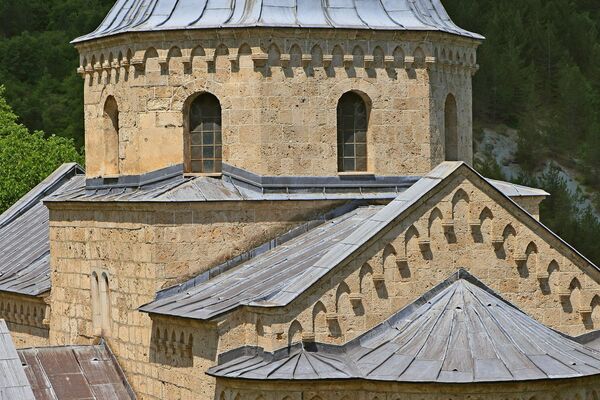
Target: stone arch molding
<point>183,94</point>
<point>367,90</point>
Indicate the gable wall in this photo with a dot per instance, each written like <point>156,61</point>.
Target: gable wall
<point>516,259</point>
<point>144,248</point>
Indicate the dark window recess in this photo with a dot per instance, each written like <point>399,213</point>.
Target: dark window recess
<point>352,122</point>
<point>205,144</point>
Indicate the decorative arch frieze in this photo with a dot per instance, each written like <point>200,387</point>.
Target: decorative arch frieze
<point>318,54</point>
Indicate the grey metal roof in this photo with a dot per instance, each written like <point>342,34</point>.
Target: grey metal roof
<point>513,190</point>
<point>75,372</point>
<point>235,185</point>
<point>267,280</point>
<point>24,240</point>
<point>13,382</point>
<point>459,332</point>
<point>590,339</point>
<point>170,185</point>
<point>248,284</point>
<point>161,15</point>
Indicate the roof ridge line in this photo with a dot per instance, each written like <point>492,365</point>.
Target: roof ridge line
<point>261,249</point>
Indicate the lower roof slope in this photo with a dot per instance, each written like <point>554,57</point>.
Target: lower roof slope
<point>13,382</point>
<point>24,236</point>
<point>459,332</point>
<point>74,372</point>
<point>282,271</point>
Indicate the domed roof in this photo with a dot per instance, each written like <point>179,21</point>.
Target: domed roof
<point>155,15</point>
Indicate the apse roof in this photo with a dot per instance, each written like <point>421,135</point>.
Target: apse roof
<point>459,332</point>
<point>24,236</point>
<point>161,15</point>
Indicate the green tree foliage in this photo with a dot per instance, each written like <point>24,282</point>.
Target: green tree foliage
<point>561,213</point>
<point>540,73</point>
<point>27,158</point>
<point>38,62</point>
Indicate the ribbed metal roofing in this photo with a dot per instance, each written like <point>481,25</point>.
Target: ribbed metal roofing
<point>160,15</point>
<point>241,185</point>
<point>13,382</point>
<point>206,189</point>
<point>74,372</point>
<point>283,271</point>
<point>249,284</point>
<point>459,332</point>
<point>24,240</point>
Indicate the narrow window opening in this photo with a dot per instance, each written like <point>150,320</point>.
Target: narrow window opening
<point>105,303</point>
<point>100,293</point>
<point>352,122</point>
<point>95,293</point>
<point>451,128</point>
<point>205,140</point>
<point>111,136</point>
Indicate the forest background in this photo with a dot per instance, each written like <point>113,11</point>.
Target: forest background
<point>539,74</point>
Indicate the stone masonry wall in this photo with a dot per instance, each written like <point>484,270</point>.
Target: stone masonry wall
<point>574,389</point>
<point>27,319</point>
<point>278,91</point>
<point>144,248</point>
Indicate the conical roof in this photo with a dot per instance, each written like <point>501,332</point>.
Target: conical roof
<point>160,15</point>
<point>459,332</point>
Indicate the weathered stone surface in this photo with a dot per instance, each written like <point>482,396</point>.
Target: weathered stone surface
<point>145,248</point>
<point>27,318</point>
<point>279,117</point>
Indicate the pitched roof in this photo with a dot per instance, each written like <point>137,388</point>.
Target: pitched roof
<point>13,382</point>
<point>513,190</point>
<point>204,299</point>
<point>459,332</point>
<point>24,240</point>
<point>75,372</point>
<point>155,15</point>
<point>267,280</point>
<point>170,185</point>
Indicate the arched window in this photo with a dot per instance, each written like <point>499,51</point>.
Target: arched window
<point>352,122</point>
<point>451,128</point>
<point>111,136</point>
<point>204,142</point>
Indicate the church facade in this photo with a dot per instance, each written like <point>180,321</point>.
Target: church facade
<point>278,203</point>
